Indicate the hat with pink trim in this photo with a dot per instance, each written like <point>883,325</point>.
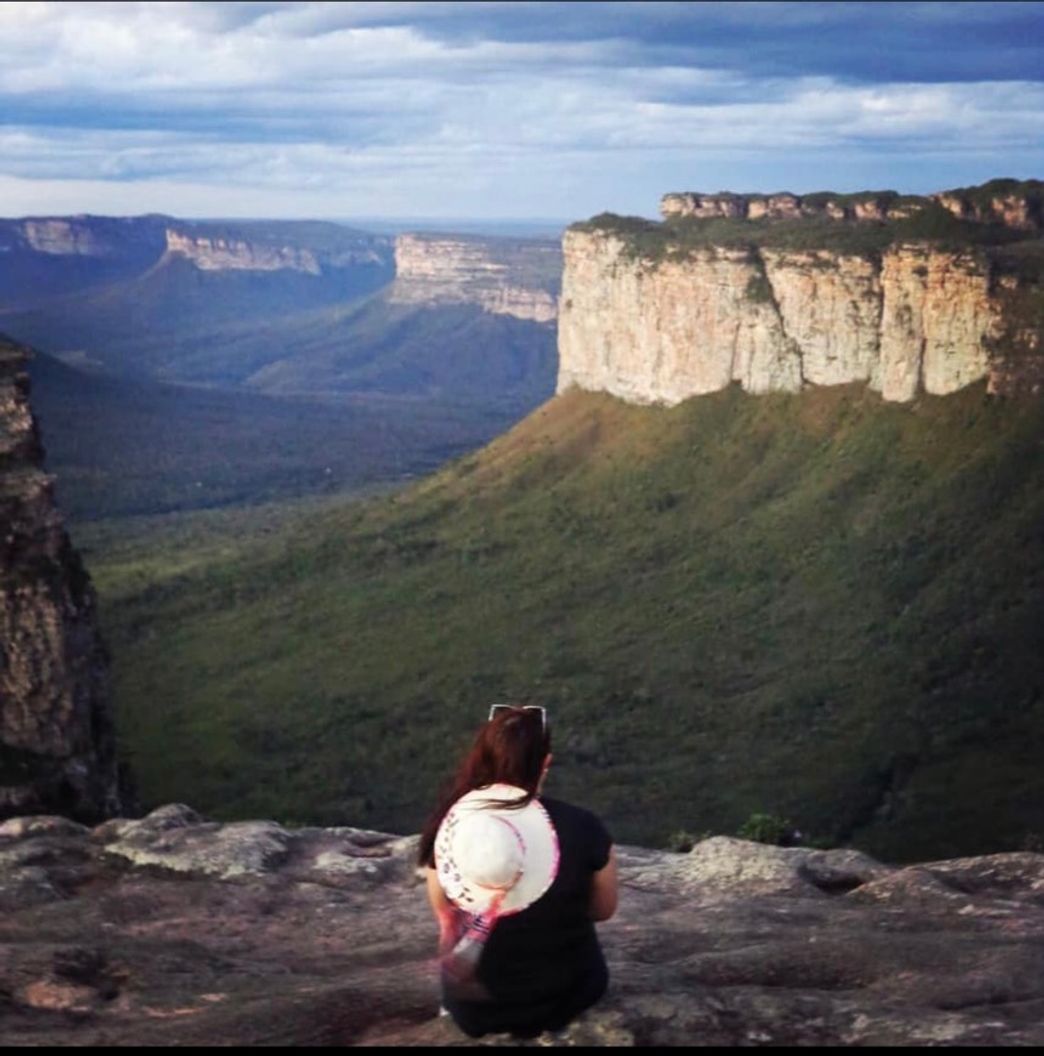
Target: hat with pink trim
<point>484,849</point>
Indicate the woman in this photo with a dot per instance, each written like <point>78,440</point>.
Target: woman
<point>525,873</point>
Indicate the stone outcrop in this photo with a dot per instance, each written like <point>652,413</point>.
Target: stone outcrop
<point>57,747</point>
<point>1006,202</point>
<point>870,206</point>
<point>519,277</point>
<point>176,930</point>
<point>917,318</point>
<point>1018,204</point>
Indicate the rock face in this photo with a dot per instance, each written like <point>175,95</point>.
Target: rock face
<point>916,319</point>
<point>1004,202</point>
<point>231,254</point>
<point>57,747</point>
<point>174,930</point>
<point>64,237</point>
<point>502,276</point>
<point>83,236</point>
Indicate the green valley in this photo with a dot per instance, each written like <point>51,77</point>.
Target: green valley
<point>821,606</point>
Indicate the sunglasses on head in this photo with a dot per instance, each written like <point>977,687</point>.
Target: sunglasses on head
<point>497,709</point>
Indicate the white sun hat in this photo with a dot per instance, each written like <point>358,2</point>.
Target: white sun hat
<point>483,850</point>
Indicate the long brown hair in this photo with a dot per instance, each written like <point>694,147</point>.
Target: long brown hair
<point>510,749</point>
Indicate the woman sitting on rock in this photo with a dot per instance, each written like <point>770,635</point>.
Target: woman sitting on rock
<point>515,880</point>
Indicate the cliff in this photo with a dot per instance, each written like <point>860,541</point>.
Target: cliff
<point>186,931</point>
<point>57,746</point>
<point>658,313</point>
<point>312,249</point>
<point>517,277</point>
<point>232,254</point>
<point>83,236</point>
<point>48,255</point>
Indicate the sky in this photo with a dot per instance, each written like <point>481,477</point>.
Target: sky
<point>506,110</point>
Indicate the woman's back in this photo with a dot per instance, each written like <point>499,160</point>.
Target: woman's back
<point>551,946</point>
<point>516,881</point>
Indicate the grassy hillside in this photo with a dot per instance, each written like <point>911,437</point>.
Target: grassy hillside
<point>820,606</point>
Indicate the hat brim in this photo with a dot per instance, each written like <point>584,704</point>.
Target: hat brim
<point>539,841</point>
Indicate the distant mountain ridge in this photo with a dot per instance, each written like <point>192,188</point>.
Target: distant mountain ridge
<point>33,249</point>
<point>288,306</point>
<point>292,310</point>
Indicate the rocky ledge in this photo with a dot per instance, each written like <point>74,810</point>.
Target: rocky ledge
<point>177,930</point>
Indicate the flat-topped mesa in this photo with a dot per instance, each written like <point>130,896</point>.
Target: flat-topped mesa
<point>309,248</point>
<point>922,301</point>
<point>503,276</point>
<point>83,236</point>
<point>57,746</point>
<point>136,242</point>
<point>64,238</point>
<point>214,253</point>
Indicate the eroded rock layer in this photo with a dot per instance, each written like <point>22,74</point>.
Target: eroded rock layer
<point>518,277</point>
<point>915,318</point>
<point>57,746</point>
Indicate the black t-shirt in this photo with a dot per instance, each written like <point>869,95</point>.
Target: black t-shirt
<point>551,947</point>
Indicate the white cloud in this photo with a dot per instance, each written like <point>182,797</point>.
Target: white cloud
<point>325,104</point>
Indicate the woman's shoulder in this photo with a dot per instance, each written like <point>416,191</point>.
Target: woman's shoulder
<point>583,839</point>
<point>573,821</point>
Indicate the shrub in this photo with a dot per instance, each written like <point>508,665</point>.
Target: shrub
<point>759,290</point>
<point>766,828</point>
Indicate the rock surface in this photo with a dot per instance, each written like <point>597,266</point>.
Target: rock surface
<point>919,319</point>
<point>519,277</point>
<point>57,746</point>
<point>177,930</point>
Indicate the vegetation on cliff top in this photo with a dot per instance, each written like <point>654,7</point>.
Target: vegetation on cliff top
<point>984,194</point>
<point>822,607</point>
<point>676,238</point>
